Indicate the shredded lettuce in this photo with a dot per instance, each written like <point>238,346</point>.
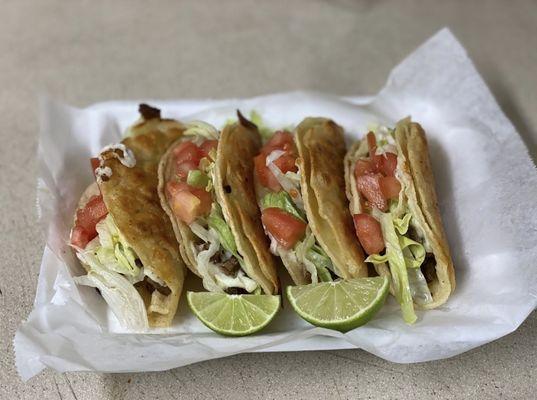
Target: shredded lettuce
<point>197,178</point>
<point>219,236</point>
<point>283,201</point>
<point>200,128</point>
<point>216,221</point>
<point>322,262</point>
<point>288,181</point>
<point>114,252</point>
<point>404,257</point>
<point>396,261</point>
<point>118,291</point>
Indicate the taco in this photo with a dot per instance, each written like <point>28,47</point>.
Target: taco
<point>206,188</point>
<point>301,191</point>
<point>390,187</point>
<point>122,236</point>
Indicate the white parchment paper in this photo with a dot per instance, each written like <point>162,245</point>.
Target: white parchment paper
<point>486,183</point>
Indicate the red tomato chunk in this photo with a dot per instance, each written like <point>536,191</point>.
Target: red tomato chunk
<point>284,227</point>
<point>369,233</point>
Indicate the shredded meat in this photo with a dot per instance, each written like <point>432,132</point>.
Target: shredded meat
<point>429,267</point>
<point>151,285</point>
<point>231,266</point>
<point>236,290</point>
<point>412,234</point>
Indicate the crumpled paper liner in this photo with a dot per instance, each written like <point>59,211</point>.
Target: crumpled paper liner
<point>486,183</point>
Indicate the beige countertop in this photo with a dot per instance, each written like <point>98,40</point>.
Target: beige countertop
<point>92,51</point>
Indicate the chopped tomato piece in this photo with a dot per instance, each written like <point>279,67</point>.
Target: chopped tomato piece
<point>369,187</point>
<point>286,163</point>
<point>371,143</point>
<point>185,206</point>
<point>207,146</point>
<point>187,151</point>
<point>386,163</point>
<point>182,169</point>
<point>187,202</point>
<point>80,237</point>
<point>94,211</point>
<point>284,227</point>
<point>205,198</point>
<point>94,163</point>
<point>369,233</point>
<point>281,140</point>
<point>265,176</point>
<point>363,167</point>
<point>390,187</point>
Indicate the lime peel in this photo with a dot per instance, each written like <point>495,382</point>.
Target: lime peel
<point>232,314</point>
<point>341,305</point>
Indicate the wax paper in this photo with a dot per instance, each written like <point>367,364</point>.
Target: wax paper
<point>486,184</point>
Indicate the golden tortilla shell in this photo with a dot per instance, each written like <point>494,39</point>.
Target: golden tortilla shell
<point>234,186</point>
<point>422,201</point>
<point>321,148</point>
<point>131,197</point>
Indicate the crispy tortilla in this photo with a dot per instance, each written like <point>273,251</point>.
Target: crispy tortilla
<point>422,201</point>
<point>234,186</point>
<point>130,195</point>
<point>321,148</point>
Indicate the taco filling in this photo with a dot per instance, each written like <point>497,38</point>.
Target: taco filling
<point>384,222</point>
<point>283,215</point>
<point>207,244</point>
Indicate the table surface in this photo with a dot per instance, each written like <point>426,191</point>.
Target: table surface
<point>92,51</point>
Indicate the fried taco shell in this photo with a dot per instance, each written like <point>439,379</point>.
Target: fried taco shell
<point>321,149</point>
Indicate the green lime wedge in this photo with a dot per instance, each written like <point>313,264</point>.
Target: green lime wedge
<point>233,314</point>
<point>341,305</point>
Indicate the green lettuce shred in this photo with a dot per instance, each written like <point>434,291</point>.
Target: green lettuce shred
<point>114,252</point>
<point>322,262</point>
<point>398,260</point>
<point>217,222</point>
<point>283,201</point>
<point>197,178</point>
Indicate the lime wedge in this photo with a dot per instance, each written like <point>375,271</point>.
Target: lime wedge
<point>233,314</point>
<point>341,305</point>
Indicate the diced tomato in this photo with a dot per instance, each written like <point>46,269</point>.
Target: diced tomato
<point>386,163</point>
<point>369,187</point>
<point>363,167</point>
<point>187,202</point>
<point>286,163</point>
<point>176,187</point>
<point>390,187</point>
<point>187,151</point>
<point>284,227</point>
<point>94,163</point>
<point>80,237</point>
<point>369,233</point>
<point>265,176</point>
<point>185,206</point>
<point>94,211</point>
<point>205,198</point>
<point>207,146</point>
<point>281,140</point>
<point>371,143</point>
<point>182,169</point>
